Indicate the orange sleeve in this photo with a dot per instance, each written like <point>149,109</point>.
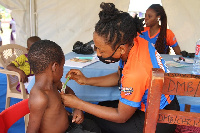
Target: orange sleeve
<point>134,84</point>
<point>171,39</point>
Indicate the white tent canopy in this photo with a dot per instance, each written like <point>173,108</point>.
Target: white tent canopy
<point>184,20</point>
<point>68,21</point>
<point>62,21</point>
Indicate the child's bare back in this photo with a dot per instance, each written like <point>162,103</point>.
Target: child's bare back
<point>47,113</point>
<point>49,109</point>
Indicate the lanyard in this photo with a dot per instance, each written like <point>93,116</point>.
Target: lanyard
<point>119,81</point>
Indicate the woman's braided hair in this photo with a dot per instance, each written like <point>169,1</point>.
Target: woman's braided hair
<point>117,27</point>
<point>161,40</point>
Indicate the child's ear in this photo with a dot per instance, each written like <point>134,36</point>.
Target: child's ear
<point>54,66</point>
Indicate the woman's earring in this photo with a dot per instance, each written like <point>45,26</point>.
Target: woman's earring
<point>158,19</point>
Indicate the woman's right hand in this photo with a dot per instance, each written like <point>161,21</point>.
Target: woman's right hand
<point>77,75</point>
<point>70,100</point>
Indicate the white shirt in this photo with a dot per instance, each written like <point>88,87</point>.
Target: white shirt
<point>13,23</point>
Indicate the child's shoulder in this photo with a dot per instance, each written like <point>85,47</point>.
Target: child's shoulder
<point>37,91</point>
<point>38,97</point>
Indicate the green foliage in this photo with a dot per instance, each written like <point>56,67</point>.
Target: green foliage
<point>4,13</point>
<point>2,8</point>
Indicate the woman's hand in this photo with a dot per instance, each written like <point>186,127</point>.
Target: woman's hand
<point>70,100</point>
<point>77,75</point>
<point>78,116</point>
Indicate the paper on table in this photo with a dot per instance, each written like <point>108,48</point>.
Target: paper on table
<point>175,64</point>
<point>80,62</point>
<point>186,60</point>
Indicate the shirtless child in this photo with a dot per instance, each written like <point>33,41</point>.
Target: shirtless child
<point>47,113</point>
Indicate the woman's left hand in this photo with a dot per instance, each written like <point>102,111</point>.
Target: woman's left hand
<point>78,116</point>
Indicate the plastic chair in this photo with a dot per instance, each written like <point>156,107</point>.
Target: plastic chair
<point>12,114</point>
<point>9,53</point>
<point>170,84</point>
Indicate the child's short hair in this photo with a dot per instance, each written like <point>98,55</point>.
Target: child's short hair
<point>33,39</point>
<point>43,53</point>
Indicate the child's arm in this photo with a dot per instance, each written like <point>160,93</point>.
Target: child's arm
<point>23,77</point>
<point>37,106</point>
<point>78,115</point>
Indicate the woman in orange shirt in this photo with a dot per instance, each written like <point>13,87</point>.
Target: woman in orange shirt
<point>116,39</point>
<point>158,34</point>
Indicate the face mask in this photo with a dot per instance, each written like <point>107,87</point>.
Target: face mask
<point>110,59</point>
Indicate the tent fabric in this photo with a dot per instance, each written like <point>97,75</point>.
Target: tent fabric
<point>184,20</point>
<point>20,13</point>
<point>63,21</point>
<point>67,21</point>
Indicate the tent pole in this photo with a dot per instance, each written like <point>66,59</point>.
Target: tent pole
<point>35,19</point>
<point>30,4</point>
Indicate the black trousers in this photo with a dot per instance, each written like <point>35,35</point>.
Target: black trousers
<point>87,126</point>
<point>135,124</point>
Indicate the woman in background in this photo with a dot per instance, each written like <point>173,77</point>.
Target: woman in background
<point>158,34</point>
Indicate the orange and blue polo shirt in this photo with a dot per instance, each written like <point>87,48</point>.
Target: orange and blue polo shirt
<point>137,72</point>
<point>170,37</point>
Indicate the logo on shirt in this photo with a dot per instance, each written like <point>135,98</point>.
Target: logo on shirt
<point>160,63</point>
<point>126,90</point>
<point>174,38</point>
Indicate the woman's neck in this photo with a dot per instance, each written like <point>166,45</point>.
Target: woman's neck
<point>125,56</point>
<point>153,30</point>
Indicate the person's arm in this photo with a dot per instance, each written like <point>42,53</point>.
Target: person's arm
<point>135,81</point>
<point>102,81</point>
<point>177,50</point>
<point>171,41</point>
<point>78,115</point>
<point>23,77</point>
<point>118,115</point>
<point>37,105</point>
